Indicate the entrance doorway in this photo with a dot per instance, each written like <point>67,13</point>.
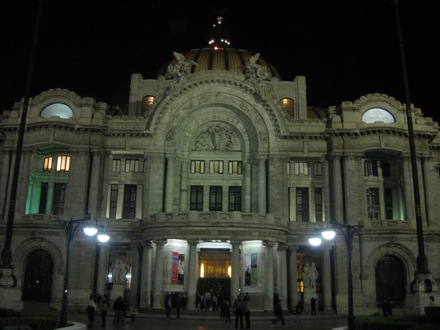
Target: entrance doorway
<point>390,280</point>
<point>37,284</point>
<point>214,271</point>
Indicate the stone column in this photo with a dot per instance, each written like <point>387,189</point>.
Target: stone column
<point>135,280</point>
<point>326,278</point>
<point>95,179</point>
<point>145,196</point>
<point>268,292</point>
<point>293,278</point>
<point>101,285</point>
<point>382,207</point>
<point>247,193</point>
<point>184,170</point>
<point>407,189</point>
<point>235,265</point>
<point>338,209</point>
<point>4,179</point>
<point>145,285</point>
<point>282,273</point>
<point>262,201</point>
<point>23,183</point>
<point>193,274</point>
<point>169,192</point>
<point>158,275</point>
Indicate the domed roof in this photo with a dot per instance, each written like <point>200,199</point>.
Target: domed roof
<point>223,59</point>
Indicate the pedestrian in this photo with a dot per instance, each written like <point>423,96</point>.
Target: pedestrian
<point>238,309</point>
<point>389,308</point>
<point>169,305</point>
<point>313,306</point>
<point>104,308</point>
<point>118,309</point>
<point>384,307</point>
<point>177,303</point>
<point>299,308</point>
<point>91,308</point>
<point>226,310</point>
<point>278,310</point>
<point>247,312</point>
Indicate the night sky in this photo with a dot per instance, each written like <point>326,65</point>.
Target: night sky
<point>345,49</point>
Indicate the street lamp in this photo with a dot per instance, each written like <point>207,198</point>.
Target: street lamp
<point>347,233</point>
<point>70,229</point>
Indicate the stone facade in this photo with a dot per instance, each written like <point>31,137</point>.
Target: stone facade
<point>205,163</point>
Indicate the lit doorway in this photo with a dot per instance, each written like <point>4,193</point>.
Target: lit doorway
<point>214,271</point>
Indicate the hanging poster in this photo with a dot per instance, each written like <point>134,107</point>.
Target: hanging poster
<point>174,267</point>
<point>250,274</point>
<point>181,269</point>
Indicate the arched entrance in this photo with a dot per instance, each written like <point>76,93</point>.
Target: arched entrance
<point>37,284</point>
<point>390,280</point>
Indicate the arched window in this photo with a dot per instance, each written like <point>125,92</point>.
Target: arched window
<point>147,103</point>
<point>287,104</point>
<point>57,110</point>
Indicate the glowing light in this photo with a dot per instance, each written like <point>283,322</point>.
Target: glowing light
<point>229,271</point>
<point>328,234</point>
<point>202,270</point>
<point>103,238</point>
<point>90,230</point>
<point>315,241</point>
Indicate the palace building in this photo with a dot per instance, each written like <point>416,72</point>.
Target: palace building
<point>213,178</point>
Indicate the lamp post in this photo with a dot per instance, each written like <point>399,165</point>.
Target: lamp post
<point>347,233</point>
<point>70,229</point>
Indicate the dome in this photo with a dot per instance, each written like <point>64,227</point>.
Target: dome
<point>224,59</point>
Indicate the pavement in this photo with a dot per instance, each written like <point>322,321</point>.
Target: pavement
<point>202,320</point>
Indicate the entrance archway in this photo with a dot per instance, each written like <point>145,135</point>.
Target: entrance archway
<point>390,280</point>
<point>37,284</point>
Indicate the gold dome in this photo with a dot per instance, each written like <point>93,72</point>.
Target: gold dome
<point>224,59</point>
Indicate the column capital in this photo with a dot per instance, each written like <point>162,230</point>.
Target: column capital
<point>269,244</point>
<point>160,242</point>
<point>193,242</point>
<point>282,246</point>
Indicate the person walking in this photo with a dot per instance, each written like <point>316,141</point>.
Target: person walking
<point>91,308</point>
<point>104,308</point>
<point>247,312</point>
<point>238,309</point>
<point>313,306</point>
<point>278,310</point>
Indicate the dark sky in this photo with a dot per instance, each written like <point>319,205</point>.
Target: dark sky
<point>345,48</point>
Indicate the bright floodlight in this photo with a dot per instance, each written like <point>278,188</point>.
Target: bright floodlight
<point>90,230</point>
<point>103,238</point>
<point>328,234</point>
<point>315,241</point>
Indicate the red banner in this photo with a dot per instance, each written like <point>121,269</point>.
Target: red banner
<point>175,267</point>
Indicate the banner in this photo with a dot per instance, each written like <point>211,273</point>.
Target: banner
<point>174,267</point>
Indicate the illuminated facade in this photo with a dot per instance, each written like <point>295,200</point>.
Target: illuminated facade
<point>214,177</point>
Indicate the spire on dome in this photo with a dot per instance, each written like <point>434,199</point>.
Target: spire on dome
<point>219,34</point>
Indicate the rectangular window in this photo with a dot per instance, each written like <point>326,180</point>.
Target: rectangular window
<point>318,204</point>
<point>317,168</point>
<point>235,167</point>
<point>216,166</point>
<point>388,203</point>
<point>59,198</point>
<point>234,199</point>
<point>47,164</point>
<point>43,197</point>
<point>370,167</point>
<point>386,168</point>
<point>113,200</point>
<point>198,166</point>
<point>302,204</point>
<point>215,198</point>
<point>301,168</point>
<point>116,165</point>
<point>373,203</point>
<point>63,163</point>
<point>132,165</point>
<point>196,198</point>
<point>129,204</point>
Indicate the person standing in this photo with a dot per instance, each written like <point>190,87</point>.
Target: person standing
<point>313,306</point>
<point>118,308</point>
<point>91,308</point>
<point>104,308</point>
<point>238,309</point>
<point>298,311</point>
<point>226,310</point>
<point>247,312</point>
<point>278,310</point>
